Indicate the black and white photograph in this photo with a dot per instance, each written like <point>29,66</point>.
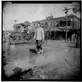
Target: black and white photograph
<point>40,40</point>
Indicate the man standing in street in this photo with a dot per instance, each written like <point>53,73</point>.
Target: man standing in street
<point>39,37</point>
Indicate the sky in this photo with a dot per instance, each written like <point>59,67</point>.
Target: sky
<point>30,12</point>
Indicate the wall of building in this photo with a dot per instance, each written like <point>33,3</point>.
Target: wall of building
<point>73,22</point>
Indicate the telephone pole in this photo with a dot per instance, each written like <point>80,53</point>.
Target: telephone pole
<point>66,12</point>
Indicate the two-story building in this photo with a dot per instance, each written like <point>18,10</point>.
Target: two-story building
<point>57,26</point>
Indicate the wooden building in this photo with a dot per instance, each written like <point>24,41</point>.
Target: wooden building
<point>57,26</point>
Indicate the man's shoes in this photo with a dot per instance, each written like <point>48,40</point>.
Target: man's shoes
<point>41,51</point>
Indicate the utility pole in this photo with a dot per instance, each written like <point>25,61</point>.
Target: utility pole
<point>66,12</point>
<point>15,24</point>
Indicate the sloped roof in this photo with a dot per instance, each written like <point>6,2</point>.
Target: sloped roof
<point>71,15</point>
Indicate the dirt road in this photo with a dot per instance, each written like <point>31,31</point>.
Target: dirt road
<point>60,59</point>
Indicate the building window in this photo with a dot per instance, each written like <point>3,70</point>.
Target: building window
<point>69,23</point>
<point>62,23</point>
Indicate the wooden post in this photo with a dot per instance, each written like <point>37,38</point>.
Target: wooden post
<point>66,27</point>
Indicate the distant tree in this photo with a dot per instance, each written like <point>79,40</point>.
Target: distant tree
<point>26,23</point>
<point>22,24</point>
<point>76,7</point>
<point>66,10</point>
